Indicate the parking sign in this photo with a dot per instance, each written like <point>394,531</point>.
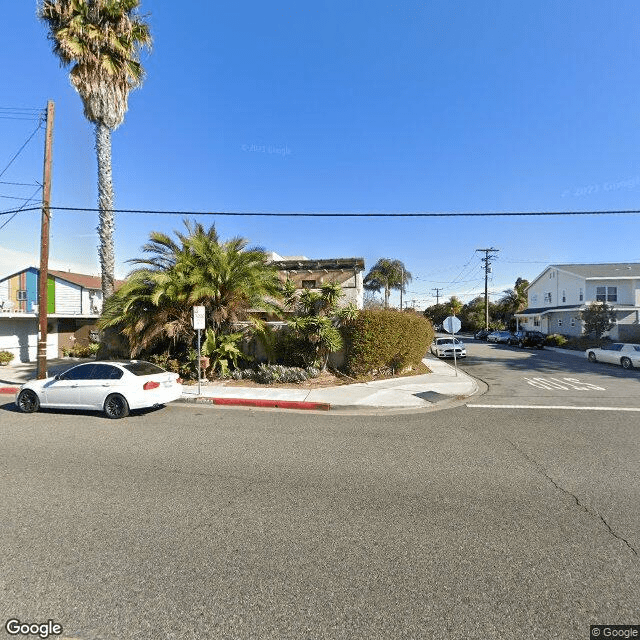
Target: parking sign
<point>197,318</point>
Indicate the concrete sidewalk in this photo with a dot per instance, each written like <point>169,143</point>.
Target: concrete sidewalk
<point>440,387</point>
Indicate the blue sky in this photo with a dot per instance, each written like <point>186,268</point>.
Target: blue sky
<point>331,107</point>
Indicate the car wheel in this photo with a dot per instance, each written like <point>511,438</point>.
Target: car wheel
<point>28,401</point>
<point>591,356</point>
<point>626,363</point>
<point>521,344</point>
<point>116,406</point>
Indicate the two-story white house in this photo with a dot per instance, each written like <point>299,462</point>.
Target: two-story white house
<point>558,295</point>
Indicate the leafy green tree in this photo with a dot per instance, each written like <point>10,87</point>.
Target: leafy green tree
<point>512,301</point>
<point>101,41</point>
<point>436,313</point>
<point>454,305</point>
<point>472,314</point>
<point>153,308</point>
<point>387,275</point>
<point>598,318</point>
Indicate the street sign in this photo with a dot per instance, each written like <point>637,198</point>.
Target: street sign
<point>197,318</point>
<point>451,324</point>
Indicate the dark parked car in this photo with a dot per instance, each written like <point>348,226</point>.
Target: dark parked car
<point>482,334</point>
<point>528,339</point>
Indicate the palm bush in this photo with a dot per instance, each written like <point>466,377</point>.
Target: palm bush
<point>153,308</point>
<point>314,328</point>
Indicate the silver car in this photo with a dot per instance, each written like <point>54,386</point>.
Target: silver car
<point>500,336</point>
<point>625,354</point>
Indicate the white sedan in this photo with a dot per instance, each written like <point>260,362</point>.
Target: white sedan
<point>443,348</point>
<point>111,386</point>
<point>624,354</point>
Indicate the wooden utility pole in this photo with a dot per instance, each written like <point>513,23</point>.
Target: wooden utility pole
<point>437,290</point>
<point>487,268</point>
<point>43,300</point>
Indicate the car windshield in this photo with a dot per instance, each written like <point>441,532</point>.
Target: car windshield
<point>143,368</point>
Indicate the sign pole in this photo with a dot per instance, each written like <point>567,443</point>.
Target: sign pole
<point>198,321</point>
<point>452,325</point>
<point>199,375</point>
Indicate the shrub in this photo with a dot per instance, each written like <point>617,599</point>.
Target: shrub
<point>382,340</point>
<point>556,340</point>
<point>6,357</point>
<point>165,361</point>
<point>583,343</point>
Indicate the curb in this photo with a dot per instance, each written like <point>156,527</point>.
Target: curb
<point>248,402</point>
<point>12,390</point>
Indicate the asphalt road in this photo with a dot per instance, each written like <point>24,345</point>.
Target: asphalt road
<point>200,522</point>
<point>545,377</point>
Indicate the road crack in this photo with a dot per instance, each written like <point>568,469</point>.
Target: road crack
<point>576,499</point>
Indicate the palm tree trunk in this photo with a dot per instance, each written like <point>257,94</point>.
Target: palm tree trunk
<point>105,204</point>
<point>387,291</point>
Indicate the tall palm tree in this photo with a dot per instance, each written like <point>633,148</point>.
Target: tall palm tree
<point>101,40</point>
<point>386,275</point>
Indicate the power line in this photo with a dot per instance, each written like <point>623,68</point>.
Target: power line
<point>22,208</point>
<point>22,147</point>
<point>302,214</point>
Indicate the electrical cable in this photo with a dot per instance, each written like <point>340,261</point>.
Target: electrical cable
<point>22,209</point>
<point>22,147</point>
<point>301,214</point>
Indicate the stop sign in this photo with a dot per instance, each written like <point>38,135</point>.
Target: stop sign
<point>451,324</point>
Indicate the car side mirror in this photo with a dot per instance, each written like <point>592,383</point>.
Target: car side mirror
<point>57,377</point>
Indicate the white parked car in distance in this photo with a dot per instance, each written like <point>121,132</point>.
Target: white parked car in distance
<point>443,348</point>
<point>625,354</point>
<point>110,386</point>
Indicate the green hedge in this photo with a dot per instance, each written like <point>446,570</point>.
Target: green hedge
<point>379,340</point>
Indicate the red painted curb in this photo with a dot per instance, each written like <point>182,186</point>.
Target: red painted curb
<point>9,389</point>
<point>275,404</point>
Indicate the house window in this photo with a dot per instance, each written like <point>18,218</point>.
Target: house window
<point>607,294</point>
<point>308,284</point>
<point>547,297</point>
<point>573,322</point>
<point>581,295</point>
<point>564,296</point>
<point>559,322</point>
<point>536,321</point>
<point>21,295</point>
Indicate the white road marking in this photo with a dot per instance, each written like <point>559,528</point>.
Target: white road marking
<point>550,406</point>
<point>563,384</point>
